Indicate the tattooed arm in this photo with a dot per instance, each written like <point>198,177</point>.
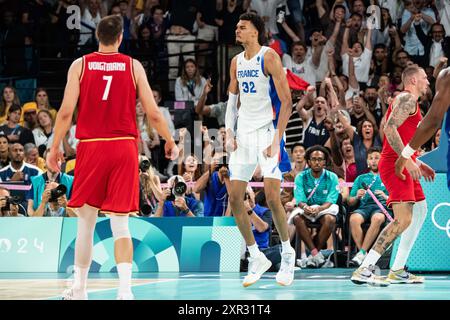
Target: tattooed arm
<point>404,105</point>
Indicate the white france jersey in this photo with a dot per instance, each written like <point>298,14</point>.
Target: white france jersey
<point>256,110</point>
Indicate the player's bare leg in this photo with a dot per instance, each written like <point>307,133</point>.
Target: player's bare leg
<point>403,216</point>
<point>398,274</point>
<point>123,253</point>
<point>258,263</point>
<point>87,217</point>
<point>285,275</point>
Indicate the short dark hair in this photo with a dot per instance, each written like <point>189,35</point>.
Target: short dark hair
<point>437,24</point>
<point>320,148</point>
<point>372,150</point>
<point>258,23</point>
<point>339,6</point>
<point>316,29</point>
<point>157,88</point>
<point>379,46</point>
<point>299,43</point>
<point>356,14</point>
<point>14,107</point>
<point>109,29</point>
<point>4,136</point>
<point>154,8</point>
<point>297,144</point>
<point>371,87</point>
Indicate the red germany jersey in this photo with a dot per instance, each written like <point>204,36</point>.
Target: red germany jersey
<point>406,132</point>
<point>107,100</point>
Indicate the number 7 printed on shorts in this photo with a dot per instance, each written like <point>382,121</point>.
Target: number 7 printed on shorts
<point>108,86</point>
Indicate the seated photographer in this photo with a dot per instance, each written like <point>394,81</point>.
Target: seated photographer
<point>54,202</point>
<point>150,188</point>
<point>366,210</point>
<point>38,185</point>
<point>8,204</point>
<point>215,182</point>
<point>315,195</point>
<point>261,220</point>
<point>175,203</point>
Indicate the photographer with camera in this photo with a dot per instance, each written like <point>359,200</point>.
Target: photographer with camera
<point>8,205</point>
<point>215,182</point>
<point>175,203</point>
<point>39,184</point>
<point>54,202</point>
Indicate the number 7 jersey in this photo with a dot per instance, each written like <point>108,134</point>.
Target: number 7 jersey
<point>259,101</point>
<point>107,100</point>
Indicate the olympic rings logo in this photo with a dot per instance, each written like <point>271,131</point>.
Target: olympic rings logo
<point>447,227</point>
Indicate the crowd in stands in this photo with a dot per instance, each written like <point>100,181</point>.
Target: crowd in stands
<point>350,55</point>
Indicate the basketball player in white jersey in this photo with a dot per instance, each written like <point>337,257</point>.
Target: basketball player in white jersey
<point>258,80</point>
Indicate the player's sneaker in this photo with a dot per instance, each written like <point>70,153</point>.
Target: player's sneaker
<point>285,275</point>
<point>256,267</point>
<point>357,259</point>
<point>365,275</point>
<point>72,294</point>
<point>403,276</point>
<point>316,261</point>
<point>125,296</point>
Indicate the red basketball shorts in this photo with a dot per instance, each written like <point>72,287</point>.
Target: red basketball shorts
<point>399,190</point>
<point>107,176</point>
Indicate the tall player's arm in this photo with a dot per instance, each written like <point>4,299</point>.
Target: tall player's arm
<point>64,115</point>
<point>231,113</point>
<point>154,115</point>
<point>274,67</point>
<point>403,106</point>
<point>433,119</point>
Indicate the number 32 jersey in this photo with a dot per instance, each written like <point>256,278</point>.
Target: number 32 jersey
<point>259,101</point>
<point>107,100</point>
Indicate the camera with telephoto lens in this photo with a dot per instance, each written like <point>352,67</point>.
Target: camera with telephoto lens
<point>144,165</point>
<point>13,200</point>
<point>222,164</point>
<point>178,189</point>
<point>57,192</point>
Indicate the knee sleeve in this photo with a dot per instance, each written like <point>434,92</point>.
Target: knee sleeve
<point>420,210</point>
<point>119,227</point>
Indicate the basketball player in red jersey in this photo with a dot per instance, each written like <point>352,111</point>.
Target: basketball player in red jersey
<point>104,85</point>
<point>405,196</point>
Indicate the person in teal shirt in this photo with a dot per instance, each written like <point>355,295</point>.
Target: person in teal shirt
<point>367,210</point>
<point>316,193</point>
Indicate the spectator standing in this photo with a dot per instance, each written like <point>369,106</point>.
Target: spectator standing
<point>416,14</point>
<point>436,46</point>
<point>313,119</point>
